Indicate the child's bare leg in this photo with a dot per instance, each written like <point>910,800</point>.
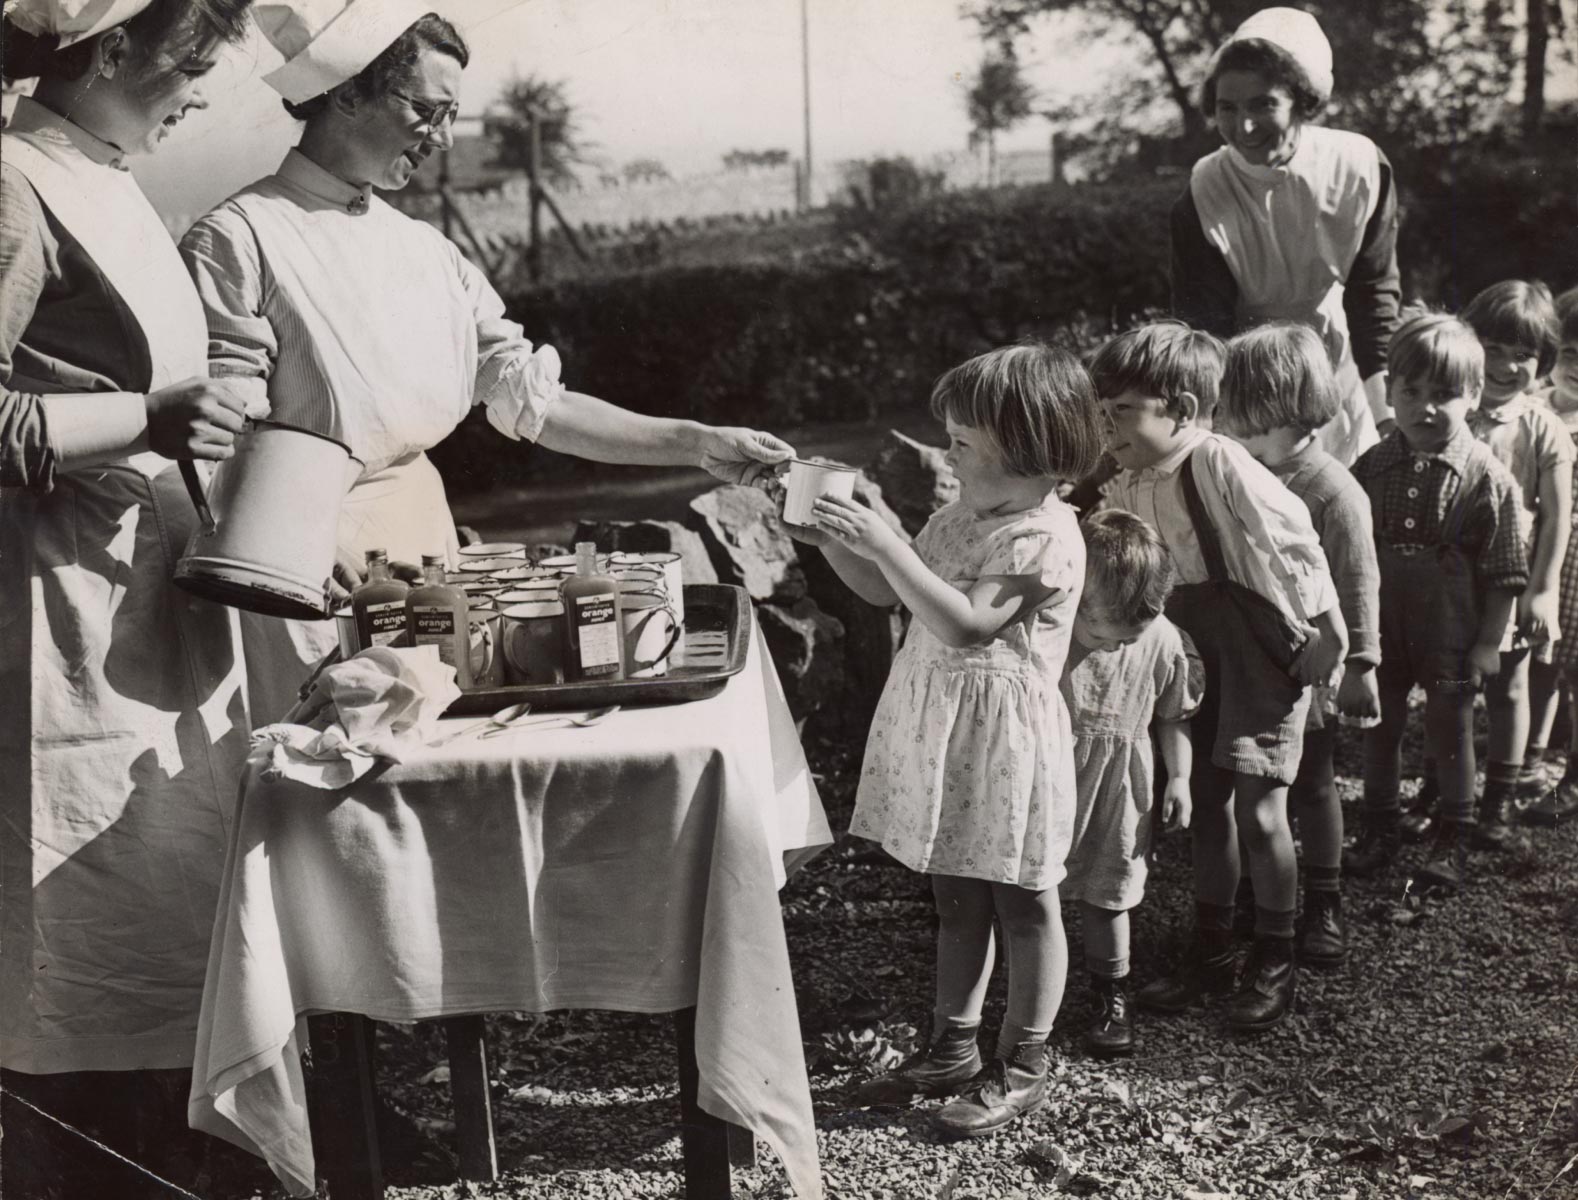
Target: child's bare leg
<point>1507,709</point>
<point>1213,840</point>
<point>1323,937</point>
<point>1265,993</point>
<point>965,947</point>
<point>1037,951</point>
<point>1111,1028</point>
<point>951,1057</point>
<point>1545,692</point>
<point>1449,730</point>
<point>1037,967</point>
<point>1380,838</point>
<point>1560,804</point>
<point>1313,797</point>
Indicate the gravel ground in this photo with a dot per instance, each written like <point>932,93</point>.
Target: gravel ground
<point>1441,1062</point>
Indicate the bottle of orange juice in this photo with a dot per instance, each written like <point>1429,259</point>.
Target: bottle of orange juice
<point>436,615</point>
<point>591,614</point>
<point>379,603</point>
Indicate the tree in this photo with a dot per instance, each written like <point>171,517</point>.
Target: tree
<point>508,125</point>
<point>740,160</point>
<point>1409,72</point>
<point>645,170</point>
<point>997,101</point>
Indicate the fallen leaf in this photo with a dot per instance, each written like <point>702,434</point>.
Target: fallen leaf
<point>439,1074</point>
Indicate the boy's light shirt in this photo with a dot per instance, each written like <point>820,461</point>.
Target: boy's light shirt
<point>1267,539</point>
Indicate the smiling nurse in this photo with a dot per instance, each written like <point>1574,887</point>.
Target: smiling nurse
<point>372,327</point>
<point>1291,221</point>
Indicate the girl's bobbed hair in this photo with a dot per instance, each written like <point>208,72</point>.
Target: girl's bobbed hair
<point>1517,312</point>
<point>395,68</point>
<point>167,34</point>
<point>1035,401</point>
<point>1276,376</point>
<point>1567,315</point>
<point>1439,348</point>
<point>1128,571</point>
<point>1271,63</point>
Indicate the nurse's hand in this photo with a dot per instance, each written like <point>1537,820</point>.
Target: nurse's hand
<point>348,575</point>
<point>745,456</point>
<point>196,418</point>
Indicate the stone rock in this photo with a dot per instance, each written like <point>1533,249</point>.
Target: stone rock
<point>745,540</point>
<point>647,537</point>
<point>806,646</point>
<point>872,636</point>
<point>914,480</point>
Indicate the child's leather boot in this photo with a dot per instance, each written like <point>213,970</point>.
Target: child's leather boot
<point>1378,844</point>
<point>1266,994</point>
<point>1111,1030</point>
<point>1323,936</point>
<point>948,1061</point>
<point>1005,1090</point>
<point>1207,970</point>
<point>1446,866</point>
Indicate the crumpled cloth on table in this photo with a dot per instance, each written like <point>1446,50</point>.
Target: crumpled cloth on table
<point>378,704</point>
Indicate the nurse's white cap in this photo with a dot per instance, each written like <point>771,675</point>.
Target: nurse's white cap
<point>326,42</point>
<point>1298,35</point>
<point>71,20</point>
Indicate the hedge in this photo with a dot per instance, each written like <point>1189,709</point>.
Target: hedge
<point>861,326</point>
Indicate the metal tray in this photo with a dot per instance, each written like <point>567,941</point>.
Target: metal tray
<point>710,608</point>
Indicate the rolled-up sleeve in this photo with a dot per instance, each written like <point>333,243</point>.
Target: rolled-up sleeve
<point>221,253</point>
<point>1271,544</point>
<point>516,382</point>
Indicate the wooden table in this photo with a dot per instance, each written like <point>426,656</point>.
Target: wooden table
<point>633,865</point>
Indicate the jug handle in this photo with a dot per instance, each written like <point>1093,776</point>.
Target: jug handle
<point>194,489</point>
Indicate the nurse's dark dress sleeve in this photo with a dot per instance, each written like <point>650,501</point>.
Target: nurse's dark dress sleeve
<point>1204,292</point>
<point>1373,290</point>
<point>26,457</point>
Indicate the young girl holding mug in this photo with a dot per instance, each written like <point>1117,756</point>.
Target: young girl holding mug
<point>969,767</point>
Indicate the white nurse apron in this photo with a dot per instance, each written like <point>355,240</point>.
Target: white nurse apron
<point>123,725</point>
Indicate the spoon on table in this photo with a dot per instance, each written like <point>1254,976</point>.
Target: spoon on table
<point>578,720</point>
<point>510,712</point>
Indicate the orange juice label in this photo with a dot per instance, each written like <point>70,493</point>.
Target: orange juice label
<point>387,621</point>
<point>436,626</point>
<point>597,633</point>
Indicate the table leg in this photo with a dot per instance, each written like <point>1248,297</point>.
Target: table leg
<point>468,1091</point>
<point>342,1108</point>
<point>704,1138</point>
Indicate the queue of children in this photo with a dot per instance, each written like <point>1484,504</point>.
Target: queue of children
<point>1233,598</point>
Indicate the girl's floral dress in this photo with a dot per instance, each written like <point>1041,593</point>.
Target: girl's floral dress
<point>969,767</point>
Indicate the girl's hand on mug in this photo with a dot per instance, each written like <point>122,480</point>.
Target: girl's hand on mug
<point>196,419</point>
<point>855,527</point>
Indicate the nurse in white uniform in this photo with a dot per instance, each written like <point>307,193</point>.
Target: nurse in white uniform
<point>372,327</point>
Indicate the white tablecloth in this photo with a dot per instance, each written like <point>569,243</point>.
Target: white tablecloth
<point>633,865</point>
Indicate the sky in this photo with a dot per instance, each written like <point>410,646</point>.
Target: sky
<point>683,81</point>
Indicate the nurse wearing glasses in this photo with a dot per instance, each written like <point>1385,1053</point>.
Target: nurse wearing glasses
<point>372,327</point>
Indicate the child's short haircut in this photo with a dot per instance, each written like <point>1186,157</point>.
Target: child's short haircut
<point>1567,314</point>
<point>1517,312</point>
<point>1035,401</point>
<point>1128,571</point>
<point>1439,348</point>
<point>1165,358</point>
<point>1276,376</point>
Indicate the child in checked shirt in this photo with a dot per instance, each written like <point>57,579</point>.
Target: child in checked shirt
<point>1158,384</point>
<point>1449,537</point>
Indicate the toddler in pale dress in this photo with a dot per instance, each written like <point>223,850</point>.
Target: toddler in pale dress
<point>969,767</point>
<point>1129,670</point>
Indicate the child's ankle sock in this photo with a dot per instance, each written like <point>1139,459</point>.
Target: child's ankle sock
<point>1013,1035</point>
<point>1107,968</point>
<point>1501,779</point>
<point>1213,918</point>
<point>1272,922</point>
<point>949,1022</point>
<point>1322,879</point>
